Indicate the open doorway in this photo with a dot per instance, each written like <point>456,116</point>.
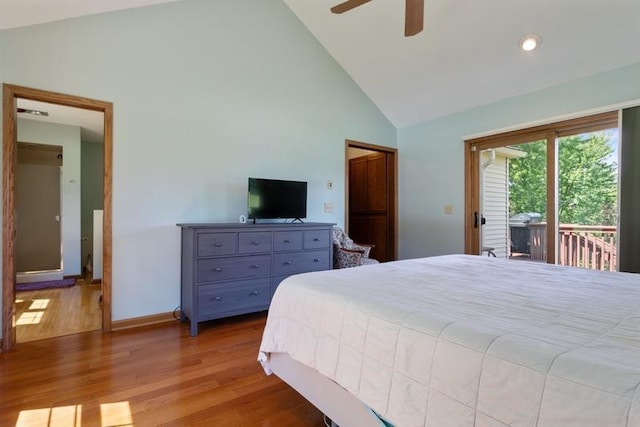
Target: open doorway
<point>371,198</point>
<point>12,97</point>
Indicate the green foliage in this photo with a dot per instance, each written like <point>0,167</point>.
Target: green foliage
<point>587,180</point>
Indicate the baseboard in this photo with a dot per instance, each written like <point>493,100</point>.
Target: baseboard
<point>136,322</point>
<point>73,276</point>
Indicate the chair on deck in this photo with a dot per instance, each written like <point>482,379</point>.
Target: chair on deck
<point>347,254</point>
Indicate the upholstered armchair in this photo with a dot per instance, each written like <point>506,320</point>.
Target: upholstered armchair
<point>346,253</point>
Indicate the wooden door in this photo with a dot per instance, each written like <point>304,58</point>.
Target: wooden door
<point>371,203</point>
<point>38,237</point>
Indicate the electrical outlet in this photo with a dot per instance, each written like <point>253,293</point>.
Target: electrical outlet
<point>448,209</point>
<point>328,207</point>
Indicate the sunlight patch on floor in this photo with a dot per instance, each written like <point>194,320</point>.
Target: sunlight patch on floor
<point>30,318</point>
<point>116,414</point>
<point>51,417</point>
<point>39,304</point>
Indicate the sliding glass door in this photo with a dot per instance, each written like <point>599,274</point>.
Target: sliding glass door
<point>588,199</point>
<point>545,194</point>
<point>513,200</point>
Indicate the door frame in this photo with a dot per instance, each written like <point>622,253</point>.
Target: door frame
<point>549,132</point>
<point>391,181</point>
<point>9,160</point>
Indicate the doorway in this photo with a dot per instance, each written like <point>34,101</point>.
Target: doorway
<point>557,193</point>
<point>38,212</point>
<point>11,95</point>
<point>371,198</point>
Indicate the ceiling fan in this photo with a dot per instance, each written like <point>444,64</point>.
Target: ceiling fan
<point>413,18</point>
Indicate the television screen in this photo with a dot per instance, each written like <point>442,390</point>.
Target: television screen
<point>272,198</point>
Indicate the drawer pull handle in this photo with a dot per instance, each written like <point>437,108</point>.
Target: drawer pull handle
<point>287,263</point>
<point>256,243</point>
<point>255,266</point>
<point>316,260</point>
<point>217,244</point>
<point>254,293</point>
<point>217,269</point>
<point>287,241</point>
<point>218,298</point>
<point>316,239</point>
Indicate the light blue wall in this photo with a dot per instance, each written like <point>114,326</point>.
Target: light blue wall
<point>431,167</point>
<point>205,93</point>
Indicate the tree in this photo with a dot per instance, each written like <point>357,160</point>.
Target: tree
<point>587,180</point>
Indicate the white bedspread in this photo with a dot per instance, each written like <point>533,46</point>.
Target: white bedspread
<point>464,340</point>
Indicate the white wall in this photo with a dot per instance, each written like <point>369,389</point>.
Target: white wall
<point>495,207</point>
<point>68,137</point>
<point>431,166</point>
<point>206,94</point>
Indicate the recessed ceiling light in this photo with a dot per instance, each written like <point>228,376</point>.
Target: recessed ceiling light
<point>530,42</point>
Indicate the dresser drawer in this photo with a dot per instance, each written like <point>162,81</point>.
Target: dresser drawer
<point>211,244</point>
<point>299,262</point>
<point>216,269</point>
<point>249,243</point>
<point>316,239</point>
<point>233,296</point>
<point>287,241</point>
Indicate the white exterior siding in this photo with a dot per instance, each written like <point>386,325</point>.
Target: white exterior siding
<point>495,197</point>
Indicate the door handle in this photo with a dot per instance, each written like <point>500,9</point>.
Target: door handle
<point>478,218</point>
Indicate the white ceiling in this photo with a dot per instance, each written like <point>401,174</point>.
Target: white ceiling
<point>467,55</point>
<point>91,123</point>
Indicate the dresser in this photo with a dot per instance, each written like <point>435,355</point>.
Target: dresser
<point>231,269</point>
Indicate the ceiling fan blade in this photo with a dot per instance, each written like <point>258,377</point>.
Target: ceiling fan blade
<point>348,5</point>
<point>414,17</point>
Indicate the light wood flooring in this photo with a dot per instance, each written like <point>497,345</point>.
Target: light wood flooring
<point>47,313</point>
<point>150,376</point>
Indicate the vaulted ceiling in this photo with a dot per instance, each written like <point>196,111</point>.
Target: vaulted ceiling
<point>466,56</point>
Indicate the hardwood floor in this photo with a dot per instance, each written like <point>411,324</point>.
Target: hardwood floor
<point>156,375</point>
<point>56,312</point>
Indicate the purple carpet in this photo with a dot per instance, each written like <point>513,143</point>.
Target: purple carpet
<point>47,284</point>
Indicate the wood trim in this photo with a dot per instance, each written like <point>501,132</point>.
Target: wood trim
<point>10,95</point>
<point>107,216</point>
<point>536,133</point>
<point>471,201</point>
<point>9,161</point>
<point>552,196</point>
<point>137,322</point>
<point>392,178</point>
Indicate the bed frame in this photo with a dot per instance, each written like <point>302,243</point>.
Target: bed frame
<point>332,400</point>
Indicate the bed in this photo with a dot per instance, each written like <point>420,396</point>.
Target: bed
<point>460,340</point>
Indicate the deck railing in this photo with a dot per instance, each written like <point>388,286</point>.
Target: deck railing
<point>587,246</point>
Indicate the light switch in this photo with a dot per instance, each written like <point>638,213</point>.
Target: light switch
<point>330,184</point>
<point>328,207</point>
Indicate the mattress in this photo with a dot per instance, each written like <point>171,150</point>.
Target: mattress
<point>463,340</point>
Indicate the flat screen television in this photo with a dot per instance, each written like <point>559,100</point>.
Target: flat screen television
<point>274,198</point>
